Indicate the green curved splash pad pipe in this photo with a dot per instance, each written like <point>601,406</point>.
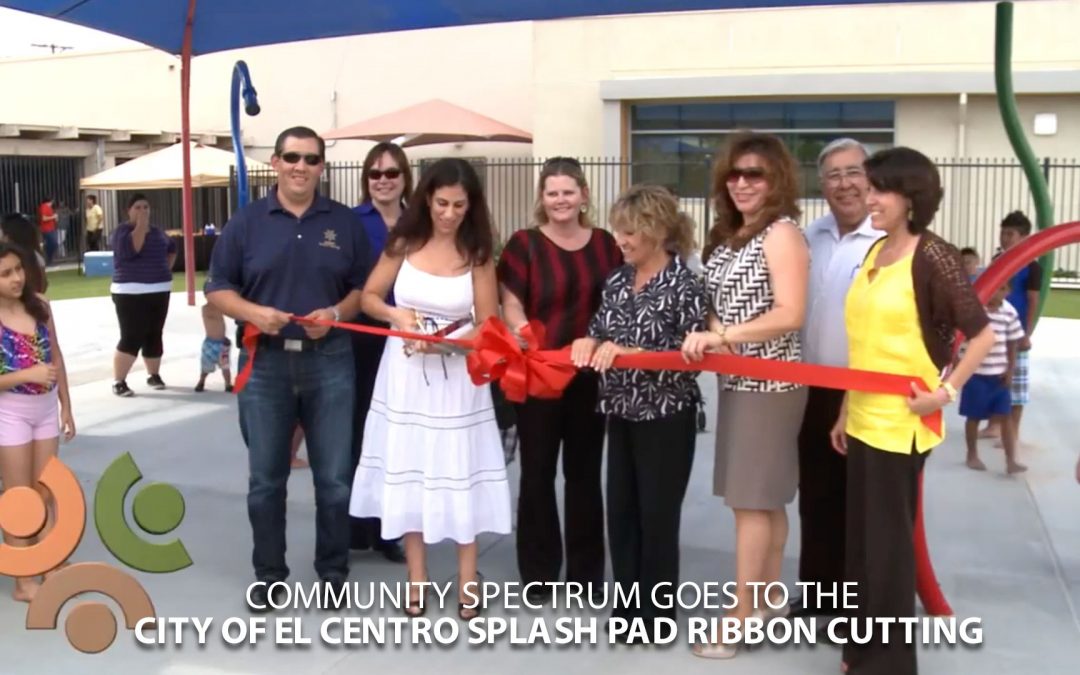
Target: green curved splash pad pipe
<point>1044,208</point>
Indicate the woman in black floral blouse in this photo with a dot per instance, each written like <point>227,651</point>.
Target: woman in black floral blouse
<point>651,303</point>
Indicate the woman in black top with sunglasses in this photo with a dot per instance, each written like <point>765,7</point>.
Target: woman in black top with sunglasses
<point>554,274</point>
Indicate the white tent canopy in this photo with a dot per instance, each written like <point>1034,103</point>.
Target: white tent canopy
<point>164,169</point>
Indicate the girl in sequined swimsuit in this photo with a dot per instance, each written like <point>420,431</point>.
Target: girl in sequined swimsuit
<point>34,402</point>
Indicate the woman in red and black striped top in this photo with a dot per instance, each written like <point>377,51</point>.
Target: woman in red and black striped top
<point>554,273</point>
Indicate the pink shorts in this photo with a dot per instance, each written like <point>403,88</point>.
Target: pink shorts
<point>27,417</point>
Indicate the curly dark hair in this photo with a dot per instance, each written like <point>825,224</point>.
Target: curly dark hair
<point>782,175</point>
<point>475,236</point>
<point>30,298</point>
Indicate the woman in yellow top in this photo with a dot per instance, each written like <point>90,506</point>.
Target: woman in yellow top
<point>903,309</point>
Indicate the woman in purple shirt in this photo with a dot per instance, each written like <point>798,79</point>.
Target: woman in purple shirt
<point>386,183</point>
<point>143,257</point>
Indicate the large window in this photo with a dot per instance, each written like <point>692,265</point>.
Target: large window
<point>674,144</point>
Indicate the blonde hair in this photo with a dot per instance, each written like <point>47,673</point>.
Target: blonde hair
<point>653,211</point>
<point>562,166</point>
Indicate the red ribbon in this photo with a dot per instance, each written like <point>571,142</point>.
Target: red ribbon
<point>498,356</point>
<point>545,373</point>
<point>251,340</point>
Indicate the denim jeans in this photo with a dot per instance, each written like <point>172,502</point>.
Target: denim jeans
<point>317,389</point>
<point>51,240</point>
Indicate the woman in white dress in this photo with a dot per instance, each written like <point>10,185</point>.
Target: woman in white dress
<point>432,465</point>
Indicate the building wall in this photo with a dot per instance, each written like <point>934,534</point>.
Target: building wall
<point>548,76</point>
<point>321,84</point>
<point>111,90</point>
<point>932,124</point>
<point>574,59</point>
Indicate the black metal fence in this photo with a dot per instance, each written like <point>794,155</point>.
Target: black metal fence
<point>26,181</point>
<point>978,193</point>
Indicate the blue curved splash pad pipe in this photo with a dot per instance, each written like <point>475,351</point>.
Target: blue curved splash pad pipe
<point>242,78</point>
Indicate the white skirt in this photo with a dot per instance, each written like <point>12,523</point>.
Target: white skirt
<point>432,460</point>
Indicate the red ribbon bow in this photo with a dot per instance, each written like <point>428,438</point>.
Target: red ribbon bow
<point>522,372</point>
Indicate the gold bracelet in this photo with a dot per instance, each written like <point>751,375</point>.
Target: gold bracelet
<point>950,391</point>
<point>722,332</point>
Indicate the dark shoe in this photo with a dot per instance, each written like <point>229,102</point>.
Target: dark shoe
<point>228,389</point>
<point>336,596</point>
<point>155,382</point>
<point>621,638</point>
<point>121,389</point>
<point>416,606</point>
<point>259,599</point>
<point>466,613</point>
<point>539,595</point>
<point>200,387</point>
<point>392,551</point>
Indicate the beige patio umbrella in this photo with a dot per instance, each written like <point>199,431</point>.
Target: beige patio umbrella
<point>431,122</point>
<point>164,169</point>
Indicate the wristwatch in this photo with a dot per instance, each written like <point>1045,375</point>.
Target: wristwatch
<point>337,313</point>
<point>949,390</point>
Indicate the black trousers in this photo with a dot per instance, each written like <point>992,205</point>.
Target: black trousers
<point>142,322</point>
<point>364,533</point>
<point>543,426</point>
<point>822,494</point>
<point>882,494</point>
<point>648,470</point>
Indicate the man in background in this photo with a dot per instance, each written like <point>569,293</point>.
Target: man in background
<point>95,220</point>
<point>839,241</point>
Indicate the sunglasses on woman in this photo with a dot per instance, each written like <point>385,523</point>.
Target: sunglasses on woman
<point>389,174</point>
<point>752,175</point>
<point>310,159</point>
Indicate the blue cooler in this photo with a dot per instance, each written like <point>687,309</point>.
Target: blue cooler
<point>98,264</point>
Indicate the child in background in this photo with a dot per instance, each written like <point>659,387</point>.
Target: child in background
<point>986,396</point>
<point>972,262</point>
<point>215,348</point>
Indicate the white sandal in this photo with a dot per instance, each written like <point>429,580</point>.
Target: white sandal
<point>718,650</point>
<point>767,614</point>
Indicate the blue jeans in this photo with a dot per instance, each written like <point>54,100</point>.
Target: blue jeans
<point>52,243</point>
<point>317,389</point>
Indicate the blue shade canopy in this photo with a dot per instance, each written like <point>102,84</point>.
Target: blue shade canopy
<point>230,24</point>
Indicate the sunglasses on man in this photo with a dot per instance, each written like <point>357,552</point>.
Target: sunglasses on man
<point>311,159</point>
<point>389,174</point>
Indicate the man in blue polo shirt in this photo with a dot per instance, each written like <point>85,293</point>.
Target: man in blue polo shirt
<point>295,253</point>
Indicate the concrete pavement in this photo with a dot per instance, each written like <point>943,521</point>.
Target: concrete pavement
<point>1006,549</point>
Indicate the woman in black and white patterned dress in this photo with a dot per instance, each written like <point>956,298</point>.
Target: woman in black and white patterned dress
<point>757,265</point>
<point>650,303</point>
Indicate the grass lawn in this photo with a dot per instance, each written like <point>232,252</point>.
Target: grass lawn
<point>68,285</point>
<point>1064,304</point>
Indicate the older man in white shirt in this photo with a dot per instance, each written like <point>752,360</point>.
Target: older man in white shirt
<point>839,241</point>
